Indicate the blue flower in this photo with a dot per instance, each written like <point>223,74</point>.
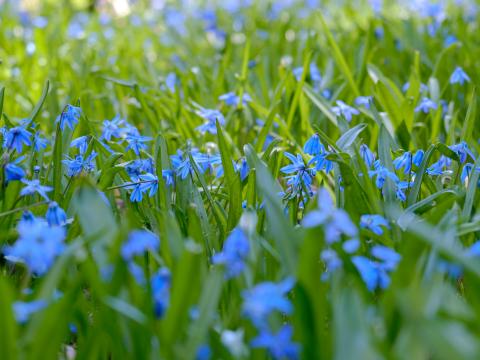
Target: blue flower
<point>381,173</point>
<point>364,101</point>
<point>16,137</point>
<point>24,310</point>
<point>243,169</point>
<point>181,163</point>
<point>426,105</point>
<point>149,183</point>
<point>211,116</point>
<point>404,161</point>
<point>462,151</point>
<point>301,178</point>
<point>81,143</point>
<point>372,274</point>
<point>137,143</point>
<point>313,146</point>
<point>373,223</point>
<point>112,128</point>
<point>321,162</point>
<point>138,242</point>
<point>336,222</point>
<point>260,301</point>
<point>56,216</point>
<point>344,110</point>
<point>367,155</point>
<point>375,274</point>
<point>279,345</point>
<point>438,167</point>
<point>33,186</point>
<point>332,262</point>
<point>37,246</point>
<point>459,76</point>
<point>171,81</point>
<point>137,167</point>
<point>161,282</point>
<point>231,99</point>
<point>418,158</point>
<point>467,171</point>
<point>388,256</point>
<point>13,172</point>
<point>401,186</point>
<point>167,176</point>
<point>76,165</point>
<point>69,117</point>
<point>39,142</point>
<point>235,251</point>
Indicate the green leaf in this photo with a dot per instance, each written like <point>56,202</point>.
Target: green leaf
<point>38,106</point>
<point>232,179</point>
<point>9,333</point>
<point>279,228</point>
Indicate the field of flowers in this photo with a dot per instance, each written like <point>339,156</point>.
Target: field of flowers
<point>240,179</point>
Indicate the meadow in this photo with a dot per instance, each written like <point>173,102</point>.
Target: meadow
<point>240,179</point>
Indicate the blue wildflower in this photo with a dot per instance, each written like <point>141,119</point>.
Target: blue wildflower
<point>81,143</point>
<point>149,183</point>
<point>373,223</point>
<point>167,176</point>
<point>332,262</point>
<point>16,137</point>
<point>321,162</point>
<point>344,110</point>
<point>69,117</point>
<point>467,171</point>
<point>111,128</point>
<point>313,146</point>
<point>137,143</point>
<point>231,99</point>
<point>336,222</point>
<point>418,158</point>
<point>381,173</point>
<point>438,167</point>
<point>78,164</point>
<point>459,76</point>
<point>39,142</point>
<point>372,274</point>
<point>364,101</point>
<point>211,116</point>
<point>367,155</point>
<point>34,186</point>
<point>462,151</point>
<point>138,166</point>
<point>24,310</point>
<point>13,172</point>
<point>171,81</point>
<point>55,215</point>
<point>243,169</point>
<point>138,242</point>
<point>426,105</point>
<point>181,163</point>
<point>388,256</point>
<point>235,251</point>
<point>260,301</point>
<point>279,345</point>
<point>37,246</point>
<point>404,161</point>
<point>301,178</point>
<point>401,186</point>
<point>161,282</point>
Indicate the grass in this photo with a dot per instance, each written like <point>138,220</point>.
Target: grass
<point>97,306</point>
